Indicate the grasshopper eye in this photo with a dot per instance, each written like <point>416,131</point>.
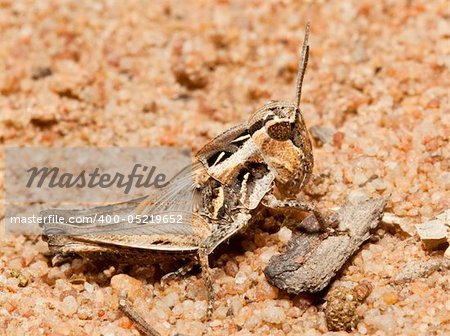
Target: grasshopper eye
<point>279,129</point>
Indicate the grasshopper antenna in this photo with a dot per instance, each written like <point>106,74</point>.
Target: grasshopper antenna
<point>302,67</point>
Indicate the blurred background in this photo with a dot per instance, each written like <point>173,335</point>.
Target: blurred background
<point>177,73</point>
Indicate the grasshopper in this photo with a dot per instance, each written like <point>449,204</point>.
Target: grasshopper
<point>263,162</point>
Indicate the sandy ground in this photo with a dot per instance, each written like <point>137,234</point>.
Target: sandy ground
<point>149,73</point>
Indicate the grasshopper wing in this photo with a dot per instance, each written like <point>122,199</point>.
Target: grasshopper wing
<point>165,211</point>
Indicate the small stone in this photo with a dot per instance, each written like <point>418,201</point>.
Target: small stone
<point>15,264</point>
<point>338,138</point>
<point>190,71</point>
<point>362,328</point>
<point>23,279</point>
<point>85,313</point>
<point>171,300</point>
<point>447,305</point>
<point>221,312</point>
<point>356,196</point>
<point>398,222</point>
<point>29,253</point>
<point>444,217</point>
<point>360,179</point>
<point>252,322</point>
<point>38,269</point>
<point>70,292</point>
<point>303,301</point>
<point>41,246</point>
<point>265,291</point>
<point>123,282</point>
<point>447,253</point>
<point>379,184</point>
<point>273,314</point>
<point>231,268</point>
<point>284,235</point>
<point>385,323</point>
<point>235,305</point>
<point>268,254</point>
<point>363,290</point>
<point>321,135</point>
<point>88,287</point>
<point>240,278</point>
<point>40,72</point>
<point>69,306</point>
<point>433,233</point>
<point>390,298</point>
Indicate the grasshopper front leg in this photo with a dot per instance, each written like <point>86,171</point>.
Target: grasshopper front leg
<point>270,201</point>
<point>206,275</point>
<point>221,232</point>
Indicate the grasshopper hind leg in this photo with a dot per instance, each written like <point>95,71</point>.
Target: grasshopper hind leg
<point>183,270</point>
<point>206,274</point>
<point>141,324</point>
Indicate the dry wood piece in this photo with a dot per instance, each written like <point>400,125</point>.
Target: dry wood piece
<point>420,269</point>
<point>312,260</point>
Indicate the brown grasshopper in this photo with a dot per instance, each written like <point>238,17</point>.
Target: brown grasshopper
<point>234,175</point>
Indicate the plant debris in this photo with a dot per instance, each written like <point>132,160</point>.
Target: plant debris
<point>342,302</point>
<point>311,261</point>
<point>420,269</point>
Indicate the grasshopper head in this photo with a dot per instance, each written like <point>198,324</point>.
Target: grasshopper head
<point>281,121</point>
<point>278,129</point>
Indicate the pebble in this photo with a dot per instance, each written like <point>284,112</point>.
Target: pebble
<point>29,253</point>
<point>435,233</point>
<point>22,279</point>
<point>268,254</point>
<point>386,323</point>
<point>41,246</point>
<point>171,300</point>
<point>273,314</point>
<point>236,305</point>
<point>123,282</point>
<point>356,196</point>
<point>231,268</point>
<point>38,269</point>
<point>85,313</point>
<point>284,235</point>
<point>69,306</point>
<point>240,278</point>
<point>379,184</point>
<point>390,298</point>
<point>88,287</point>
